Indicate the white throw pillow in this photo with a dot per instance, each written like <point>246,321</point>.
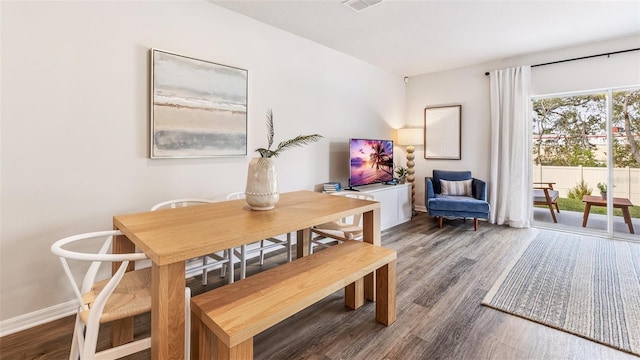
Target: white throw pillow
<point>457,188</point>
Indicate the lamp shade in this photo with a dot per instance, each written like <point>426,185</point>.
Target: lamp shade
<point>410,136</point>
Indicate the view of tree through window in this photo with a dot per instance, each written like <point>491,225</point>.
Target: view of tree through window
<point>626,123</point>
<point>571,130</point>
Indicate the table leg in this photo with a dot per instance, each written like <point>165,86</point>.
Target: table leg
<point>168,311</point>
<point>122,330</point>
<point>371,234</point>
<point>302,242</point>
<point>585,216</point>
<point>371,227</point>
<point>627,218</point>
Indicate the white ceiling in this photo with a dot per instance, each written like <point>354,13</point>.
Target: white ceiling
<point>417,37</point>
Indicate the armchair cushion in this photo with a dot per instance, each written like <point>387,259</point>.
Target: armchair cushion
<point>462,187</point>
<point>452,204</point>
<point>539,196</point>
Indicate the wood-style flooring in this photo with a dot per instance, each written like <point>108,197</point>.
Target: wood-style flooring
<point>442,276</point>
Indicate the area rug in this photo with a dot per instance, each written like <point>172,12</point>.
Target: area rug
<point>583,285</point>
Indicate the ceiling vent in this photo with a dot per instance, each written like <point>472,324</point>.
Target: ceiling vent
<point>359,5</point>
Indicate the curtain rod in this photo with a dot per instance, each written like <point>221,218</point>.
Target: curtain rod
<point>582,57</point>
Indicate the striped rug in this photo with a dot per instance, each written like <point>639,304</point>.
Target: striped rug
<point>583,285</point>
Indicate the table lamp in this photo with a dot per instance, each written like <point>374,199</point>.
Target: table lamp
<point>411,137</point>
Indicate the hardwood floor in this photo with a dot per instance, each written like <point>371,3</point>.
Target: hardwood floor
<point>442,274</point>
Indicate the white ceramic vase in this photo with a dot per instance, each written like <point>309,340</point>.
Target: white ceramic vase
<point>262,185</point>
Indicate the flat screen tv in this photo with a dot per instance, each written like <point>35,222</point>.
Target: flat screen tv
<point>371,161</point>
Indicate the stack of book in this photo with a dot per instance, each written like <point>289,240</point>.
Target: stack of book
<point>332,187</point>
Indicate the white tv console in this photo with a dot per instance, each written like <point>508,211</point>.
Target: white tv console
<point>395,202</point>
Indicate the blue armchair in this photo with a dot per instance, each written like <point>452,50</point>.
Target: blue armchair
<point>456,194</point>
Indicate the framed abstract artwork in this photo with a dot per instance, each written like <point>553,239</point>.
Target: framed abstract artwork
<point>442,132</point>
<point>198,108</point>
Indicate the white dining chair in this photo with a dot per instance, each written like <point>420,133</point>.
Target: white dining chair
<point>262,245</point>
<point>121,295</point>
<point>332,232</point>
<point>206,263</point>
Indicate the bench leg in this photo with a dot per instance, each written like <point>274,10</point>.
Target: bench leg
<point>196,328</point>
<point>354,294</point>
<point>370,286</point>
<point>210,347</point>
<point>386,294</point>
<point>242,351</point>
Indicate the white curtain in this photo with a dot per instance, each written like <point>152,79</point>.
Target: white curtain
<point>510,185</point>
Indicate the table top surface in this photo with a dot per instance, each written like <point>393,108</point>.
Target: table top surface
<point>172,235</point>
<point>598,200</point>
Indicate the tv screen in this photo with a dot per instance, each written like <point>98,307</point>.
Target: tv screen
<point>371,161</point>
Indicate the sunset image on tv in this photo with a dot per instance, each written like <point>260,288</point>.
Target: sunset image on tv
<point>371,161</point>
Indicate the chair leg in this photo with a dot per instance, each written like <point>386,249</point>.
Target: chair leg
<point>310,244</point>
<point>187,321</point>
<point>75,344</point>
<point>440,221</point>
<point>90,339</point>
<point>261,252</point>
<point>475,224</point>
<point>226,255</point>
<point>289,256</point>
<point>557,207</point>
<point>232,268</point>
<point>553,213</point>
<point>204,271</point>
<point>243,261</point>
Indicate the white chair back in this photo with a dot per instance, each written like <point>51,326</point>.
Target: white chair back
<point>175,203</point>
<point>356,219</point>
<point>84,342</point>
<point>236,195</point>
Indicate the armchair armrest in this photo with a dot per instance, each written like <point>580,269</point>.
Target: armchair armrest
<point>479,189</point>
<point>543,185</point>
<point>429,193</point>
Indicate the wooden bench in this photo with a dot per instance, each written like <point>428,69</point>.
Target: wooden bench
<point>225,320</point>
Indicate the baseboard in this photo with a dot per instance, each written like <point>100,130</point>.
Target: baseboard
<point>36,318</point>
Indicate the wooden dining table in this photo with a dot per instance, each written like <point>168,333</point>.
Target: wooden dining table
<point>169,237</point>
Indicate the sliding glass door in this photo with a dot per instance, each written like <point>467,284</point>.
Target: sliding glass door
<point>625,150</point>
<point>585,161</point>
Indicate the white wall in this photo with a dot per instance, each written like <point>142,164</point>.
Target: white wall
<point>75,120</point>
<point>470,87</point>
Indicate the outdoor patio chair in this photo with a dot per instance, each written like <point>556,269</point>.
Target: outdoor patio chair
<point>543,194</point>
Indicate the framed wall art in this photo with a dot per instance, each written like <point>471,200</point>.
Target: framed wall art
<point>198,108</point>
<point>442,132</point>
